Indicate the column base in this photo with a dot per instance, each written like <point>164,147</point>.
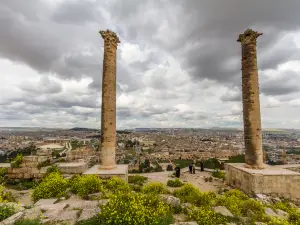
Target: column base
<point>255,166</point>
<point>120,171</point>
<point>107,167</point>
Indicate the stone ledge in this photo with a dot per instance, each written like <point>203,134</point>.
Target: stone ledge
<point>120,171</point>
<point>273,180</point>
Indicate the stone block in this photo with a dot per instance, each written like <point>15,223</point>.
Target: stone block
<point>11,220</point>
<point>49,201</point>
<point>272,180</point>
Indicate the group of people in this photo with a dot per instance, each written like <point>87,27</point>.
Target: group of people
<point>192,168</point>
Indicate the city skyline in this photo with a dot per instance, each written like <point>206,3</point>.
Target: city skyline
<point>172,71</point>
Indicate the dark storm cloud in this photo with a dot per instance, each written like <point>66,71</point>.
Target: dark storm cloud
<point>201,34</point>
<point>78,12</point>
<point>45,85</point>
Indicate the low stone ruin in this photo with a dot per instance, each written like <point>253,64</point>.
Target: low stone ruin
<point>30,168</point>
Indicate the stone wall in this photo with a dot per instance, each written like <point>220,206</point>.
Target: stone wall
<point>278,181</point>
<point>73,168</point>
<point>28,168</point>
<point>81,153</point>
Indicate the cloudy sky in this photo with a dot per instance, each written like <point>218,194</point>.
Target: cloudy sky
<point>178,64</point>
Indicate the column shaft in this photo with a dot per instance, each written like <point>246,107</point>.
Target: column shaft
<point>251,103</point>
<point>108,113</point>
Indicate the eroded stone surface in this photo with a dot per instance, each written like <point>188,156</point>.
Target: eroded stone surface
<point>222,210</point>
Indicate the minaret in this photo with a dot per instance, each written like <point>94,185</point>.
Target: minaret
<point>251,103</point>
<point>108,113</point>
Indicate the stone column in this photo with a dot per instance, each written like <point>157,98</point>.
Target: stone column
<point>284,156</point>
<point>251,103</point>
<point>108,113</point>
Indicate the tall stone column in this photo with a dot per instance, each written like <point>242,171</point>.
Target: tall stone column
<point>251,103</point>
<point>284,156</point>
<point>108,113</point>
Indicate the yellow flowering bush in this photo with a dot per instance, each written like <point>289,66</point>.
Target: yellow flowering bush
<point>115,184</point>
<point>134,209</point>
<point>294,214</point>
<point>6,211</point>
<point>174,183</point>
<point>137,179</point>
<point>3,172</point>
<point>52,186</point>
<point>205,216</point>
<point>6,196</point>
<point>187,193</point>
<point>155,188</point>
<point>85,185</point>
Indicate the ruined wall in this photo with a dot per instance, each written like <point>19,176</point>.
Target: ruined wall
<point>28,168</point>
<point>81,153</point>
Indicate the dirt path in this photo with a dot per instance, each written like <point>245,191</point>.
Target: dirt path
<point>194,179</point>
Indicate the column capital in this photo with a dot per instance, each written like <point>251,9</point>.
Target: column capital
<point>110,37</point>
<point>248,37</point>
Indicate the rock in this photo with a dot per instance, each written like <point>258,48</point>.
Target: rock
<point>187,205</point>
<point>46,201</point>
<point>275,200</point>
<point>51,207</point>
<point>270,212</point>
<point>83,204</point>
<point>171,200</point>
<point>11,220</point>
<point>88,213</point>
<point>222,210</point>
<point>67,216</point>
<point>95,196</point>
<point>263,198</point>
<point>282,214</point>
<point>32,213</point>
<point>294,206</point>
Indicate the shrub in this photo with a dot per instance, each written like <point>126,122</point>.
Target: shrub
<point>187,193</point>
<point>134,209</point>
<point>294,214</point>
<point>3,172</point>
<point>136,188</point>
<point>44,164</point>
<point>17,161</point>
<point>28,222</point>
<point>52,186</point>
<point>6,196</point>
<point>6,211</point>
<point>52,169</point>
<point>174,183</point>
<point>155,188</point>
<point>218,174</point>
<point>116,184</point>
<point>205,216</point>
<point>85,185</point>
<point>137,179</point>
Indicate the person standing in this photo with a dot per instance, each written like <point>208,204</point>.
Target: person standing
<point>177,171</point>
<point>202,166</point>
<point>190,168</point>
